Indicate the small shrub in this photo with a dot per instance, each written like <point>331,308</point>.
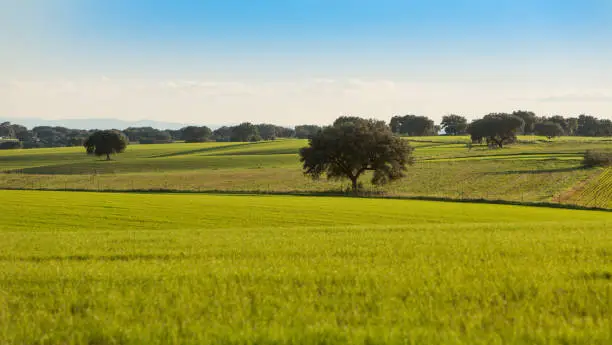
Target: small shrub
<point>593,158</point>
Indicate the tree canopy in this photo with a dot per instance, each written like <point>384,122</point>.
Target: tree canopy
<point>454,124</point>
<point>306,131</point>
<point>498,129</point>
<point>106,143</point>
<point>350,148</point>
<point>245,131</point>
<point>412,125</point>
<point>549,129</point>
<point>196,134</point>
<point>529,118</point>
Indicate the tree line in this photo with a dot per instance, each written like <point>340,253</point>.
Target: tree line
<point>496,129</point>
<point>353,146</point>
<point>18,136</point>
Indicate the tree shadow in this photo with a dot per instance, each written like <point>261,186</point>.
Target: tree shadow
<point>535,172</point>
<point>205,149</point>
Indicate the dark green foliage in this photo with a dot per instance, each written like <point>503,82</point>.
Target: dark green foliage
<point>7,131</point>
<point>549,129</point>
<point>245,131</point>
<point>147,135</point>
<point>529,118</point>
<point>159,137</point>
<point>350,148</point>
<point>10,145</point>
<point>267,131</point>
<point>223,133</point>
<point>106,143</point>
<point>497,129</point>
<point>347,119</point>
<point>47,136</point>
<point>196,134</point>
<point>454,124</point>
<point>561,121</point>
<point>605,128</point>
<point>270,132</point>
<point>593,158</point>
<point>412,125</point>
<point>306,131</point>
<point>588,126</point>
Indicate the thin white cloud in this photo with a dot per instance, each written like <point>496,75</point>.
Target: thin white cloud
<point>585,97</point>
<point>286,102</point>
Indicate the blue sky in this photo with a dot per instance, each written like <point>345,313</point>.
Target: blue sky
<point>297,61</point>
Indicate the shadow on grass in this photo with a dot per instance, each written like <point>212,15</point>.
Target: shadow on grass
<point>504,155</point>
<point>205,149</point>
<point>332,193</point>
<point>535,172</point>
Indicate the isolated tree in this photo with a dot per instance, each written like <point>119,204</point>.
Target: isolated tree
<point>351,148</point>
<point>196,134</point>
<point>106,143</point>
<point>498,129</point>
<point>454,124</point>
<point>549,129</point>
<point>530,119</point>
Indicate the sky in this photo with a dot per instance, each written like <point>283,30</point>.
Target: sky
<point>302,61</point>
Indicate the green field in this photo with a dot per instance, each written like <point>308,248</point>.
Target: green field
<point>253,252</point>
<point>535,170</point>
<point>112,268</point>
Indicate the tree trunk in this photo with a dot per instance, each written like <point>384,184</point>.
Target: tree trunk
<point>108,157</point>
<point>354,183</point>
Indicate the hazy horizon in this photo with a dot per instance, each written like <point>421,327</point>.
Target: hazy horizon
<point>310,61</point>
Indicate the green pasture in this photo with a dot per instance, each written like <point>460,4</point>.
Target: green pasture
<point>535,170</point>
<point>111,268</point>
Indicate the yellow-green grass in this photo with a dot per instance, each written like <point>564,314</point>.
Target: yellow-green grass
<point>101,268</point>
<point>537,172</point>
<point>597,191</point>
<point>513,180</point>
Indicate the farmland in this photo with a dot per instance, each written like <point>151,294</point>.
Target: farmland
<point>228,243</point>
<point>536,170</point>
<point>108,268</point>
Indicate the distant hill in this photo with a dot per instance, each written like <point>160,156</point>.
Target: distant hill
<point>96,123</point>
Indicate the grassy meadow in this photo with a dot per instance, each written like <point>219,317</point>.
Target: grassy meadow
<point>536,170</point>
<point>155,268</point>
<point>253,252</point>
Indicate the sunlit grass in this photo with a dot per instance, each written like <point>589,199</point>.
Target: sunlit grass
<point>99,268</point>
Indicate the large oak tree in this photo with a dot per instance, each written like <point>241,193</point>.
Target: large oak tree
<point>352,147</point>
<point>105,143</point>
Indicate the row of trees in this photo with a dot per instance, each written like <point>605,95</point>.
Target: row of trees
<point>409,125</point>
<point>583,125</point>
<point>18,136</point>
